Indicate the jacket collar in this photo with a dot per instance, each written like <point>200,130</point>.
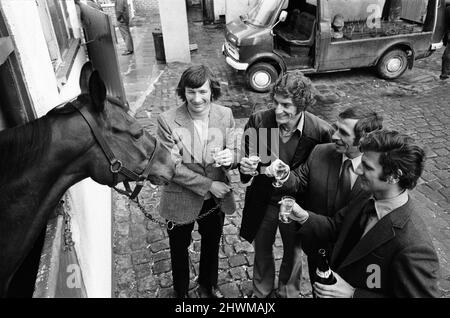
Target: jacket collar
<point>270,121</point>
<point>309,129</point>
<point>381,233</point>
<point>183,118</point>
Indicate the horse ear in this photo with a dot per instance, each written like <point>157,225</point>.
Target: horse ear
<point>97,91</point>
<point>85,74</point>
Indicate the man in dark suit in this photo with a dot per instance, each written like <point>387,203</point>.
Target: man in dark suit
<point>382,248</point>
<point>287,132</point>
<point>327,181</point>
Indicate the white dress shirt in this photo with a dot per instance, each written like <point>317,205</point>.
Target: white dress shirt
<point>384,207</point>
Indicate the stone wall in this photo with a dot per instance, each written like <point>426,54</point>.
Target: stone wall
<point>146,7</point>
<point>109,9</point>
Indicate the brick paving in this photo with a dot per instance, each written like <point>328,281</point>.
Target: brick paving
<point>416,103</point>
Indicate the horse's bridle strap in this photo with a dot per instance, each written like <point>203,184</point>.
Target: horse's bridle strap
<point>116,165</point>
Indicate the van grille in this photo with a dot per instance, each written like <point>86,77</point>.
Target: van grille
<point>232,51</point>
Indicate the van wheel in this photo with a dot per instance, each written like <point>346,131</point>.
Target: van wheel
<point>260,76</point>
<point>393,64</point>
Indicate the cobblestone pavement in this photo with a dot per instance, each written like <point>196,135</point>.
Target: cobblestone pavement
<point>417,103</point>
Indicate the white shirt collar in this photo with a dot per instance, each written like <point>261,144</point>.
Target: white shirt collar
<point>355,161</point>
<point>301,123</point>
<point>386,206</point>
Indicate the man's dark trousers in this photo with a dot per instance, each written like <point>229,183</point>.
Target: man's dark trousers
<point>124,29</point>
<point>210,229</point>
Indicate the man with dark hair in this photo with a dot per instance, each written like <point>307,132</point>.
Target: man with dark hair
<point>288,133</point>
<point>327,181</point>
<point>123,18</point>
<point>382,246</point>
<point>200,190</point>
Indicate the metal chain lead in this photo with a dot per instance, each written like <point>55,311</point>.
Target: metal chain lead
<point>67,232</point>
<point>169,224</point>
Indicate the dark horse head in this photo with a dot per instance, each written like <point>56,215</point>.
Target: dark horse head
<point>131,144</point>
<point>39,161</point>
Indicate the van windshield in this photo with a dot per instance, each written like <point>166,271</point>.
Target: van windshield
<point>261,14</point>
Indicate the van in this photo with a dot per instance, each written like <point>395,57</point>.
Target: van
<point>277,36</point>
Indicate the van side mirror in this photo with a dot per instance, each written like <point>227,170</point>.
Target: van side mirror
<point>281,18</point>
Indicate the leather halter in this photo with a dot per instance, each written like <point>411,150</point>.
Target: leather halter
<point>116,165</point>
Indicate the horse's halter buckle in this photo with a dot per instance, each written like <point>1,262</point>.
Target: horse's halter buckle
<point>112,165</point>
<point>170,225</point>
<point>116,166</point>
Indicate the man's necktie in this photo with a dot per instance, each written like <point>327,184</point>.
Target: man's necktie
<point>367,213</point>
<point>344,186</point>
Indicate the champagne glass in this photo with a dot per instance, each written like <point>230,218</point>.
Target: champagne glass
<point>254,161</point>
<point>214,153</point>
<point>280,171</point>
<point>287,203</point>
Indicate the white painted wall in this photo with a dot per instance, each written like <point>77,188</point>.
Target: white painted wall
<point>174,28</point>
<point>234,8</point>
<point>91,219</point>
<point>25,26</point>
<point>219,8</point>
<point>92,236</point>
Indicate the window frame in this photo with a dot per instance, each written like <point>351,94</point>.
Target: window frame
<point>62,44</point>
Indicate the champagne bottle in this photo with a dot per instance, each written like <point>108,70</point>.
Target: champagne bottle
<point>324,275</point>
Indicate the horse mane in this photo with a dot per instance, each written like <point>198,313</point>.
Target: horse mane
<point>68,108</point>
<point>21,146</point>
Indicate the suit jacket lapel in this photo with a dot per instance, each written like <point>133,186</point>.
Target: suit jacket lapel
<point>378,235</point>
<point>382,232</point>
<point>264,140</point>
<point>216,131</point>
<point>356,188</point>
<point>351,215</point>
<point>215,125</point>
<point>305,144</point>
<point>333,179</point>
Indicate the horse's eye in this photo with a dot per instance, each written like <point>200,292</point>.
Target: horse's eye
<point>138,134</point>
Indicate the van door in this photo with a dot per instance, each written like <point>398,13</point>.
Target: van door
<point>295,39</point>
<point>356,47</point>
<point>370,30</point>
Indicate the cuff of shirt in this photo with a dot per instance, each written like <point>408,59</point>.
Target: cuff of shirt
<point>286,178</point>
<point>299,220</point>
